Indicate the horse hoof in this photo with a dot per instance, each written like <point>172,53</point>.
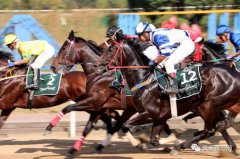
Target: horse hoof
<point>99,148</point>
<point>144,138</point>
<point>226,154</point>
<point>47,132</point>
<point>155,142</point>
<point>174,152</point>
<point>142,146</point>
<point>125,129</point>
<point>72,151</point>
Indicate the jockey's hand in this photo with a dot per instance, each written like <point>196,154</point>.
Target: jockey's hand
<point>11,64</point>
<point>229,57</point>
<point>152,65</point>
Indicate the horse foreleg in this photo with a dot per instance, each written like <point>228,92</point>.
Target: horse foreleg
<point>4,115</point>
<point>78,144</point>
<point>122,119</point>
<point>190,143</point>
<point>171,136</point>
<point>57,118</point>
<point>154,138</point>
<point>229,140</point>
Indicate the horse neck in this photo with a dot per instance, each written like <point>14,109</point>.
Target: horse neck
<point>88,59</point>
<point>130,58</point>
<point>210,55</point>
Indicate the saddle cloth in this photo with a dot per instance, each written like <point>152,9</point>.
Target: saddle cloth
<point>189,81</point>
<point>49,83</point>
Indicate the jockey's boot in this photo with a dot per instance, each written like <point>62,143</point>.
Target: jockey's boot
<point>36,80</point>
<point>173,84</point>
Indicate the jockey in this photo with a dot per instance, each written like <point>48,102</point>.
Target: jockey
<point>173,45</point>
<point>195,37</point>
<point>224,33</point>
<point>41,49</point>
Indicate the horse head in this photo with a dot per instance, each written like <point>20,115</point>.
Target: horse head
<point>75,50</point>
<point>66,57</point>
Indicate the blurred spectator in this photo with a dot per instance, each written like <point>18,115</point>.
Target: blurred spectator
<point>174,21</point>
<point>184,26</point>
<point>167,24</point>
<point>196,28</point>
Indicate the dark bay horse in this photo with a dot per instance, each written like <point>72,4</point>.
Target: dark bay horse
<point>220,91</point>
<point>214,53</point>
<point>99,96</point>
<point>13,78</point>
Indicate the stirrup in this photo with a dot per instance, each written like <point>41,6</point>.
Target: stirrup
<point>32,87</point>
<point>171,90</point>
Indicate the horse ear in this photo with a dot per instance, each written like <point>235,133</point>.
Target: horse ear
<point>71,35</point>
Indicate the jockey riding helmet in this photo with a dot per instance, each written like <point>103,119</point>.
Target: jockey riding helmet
<point>221,29</point>
<point>144,27</point>
<point>9,39</point>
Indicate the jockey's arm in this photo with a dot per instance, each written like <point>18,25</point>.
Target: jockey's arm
<point>236,54</point>
<point>159,59</point>
<point>21,62</point>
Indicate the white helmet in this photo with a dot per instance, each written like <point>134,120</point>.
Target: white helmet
<point>144,27</point>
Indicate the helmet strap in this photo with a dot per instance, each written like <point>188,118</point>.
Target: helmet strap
<point>145,28</point>
<point>146,36</point>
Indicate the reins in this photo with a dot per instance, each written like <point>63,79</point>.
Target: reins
<point>6,78</point>
<point>9,74</point>
<point>120,51</point>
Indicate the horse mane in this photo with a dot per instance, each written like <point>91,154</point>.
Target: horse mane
<point>92,45</point>
<point>137,47</point>
<point>6,56</point>
<point>218,48</point>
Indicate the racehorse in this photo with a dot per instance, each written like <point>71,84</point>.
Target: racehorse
<point>214,53</point>
<point>99,96</point>
<point>219,91</point>
<point>14,78</point>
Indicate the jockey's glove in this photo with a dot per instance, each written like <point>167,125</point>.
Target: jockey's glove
<point>152,65</point>
<point>11,64</point>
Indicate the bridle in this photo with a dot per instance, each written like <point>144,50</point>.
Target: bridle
<point>120,51</point>
<point>68,55</point>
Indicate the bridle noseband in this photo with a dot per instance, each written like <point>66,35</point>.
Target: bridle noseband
<point>69,53</point>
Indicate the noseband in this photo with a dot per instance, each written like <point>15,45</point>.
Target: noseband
<point>69,53</point>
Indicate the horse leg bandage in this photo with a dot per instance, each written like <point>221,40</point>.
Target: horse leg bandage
<point>78,144</point>
<point>56,119</point>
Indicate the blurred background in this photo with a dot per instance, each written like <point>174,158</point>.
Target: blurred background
<point>90,18</point>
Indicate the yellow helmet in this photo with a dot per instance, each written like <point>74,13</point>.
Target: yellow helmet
<point>10,38</point>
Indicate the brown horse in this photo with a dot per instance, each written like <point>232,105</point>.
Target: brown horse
<point>71,88</point>
<point>98,94</point>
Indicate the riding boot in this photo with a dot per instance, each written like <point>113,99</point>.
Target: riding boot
<point>36,79</point>
<point>173,84</point>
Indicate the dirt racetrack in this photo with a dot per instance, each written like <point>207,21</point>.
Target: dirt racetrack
<point>32,145</point>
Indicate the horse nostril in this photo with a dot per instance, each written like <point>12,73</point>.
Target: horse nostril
<point>52,67</point>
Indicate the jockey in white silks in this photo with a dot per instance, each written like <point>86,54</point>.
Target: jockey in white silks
<point>170,47</point>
